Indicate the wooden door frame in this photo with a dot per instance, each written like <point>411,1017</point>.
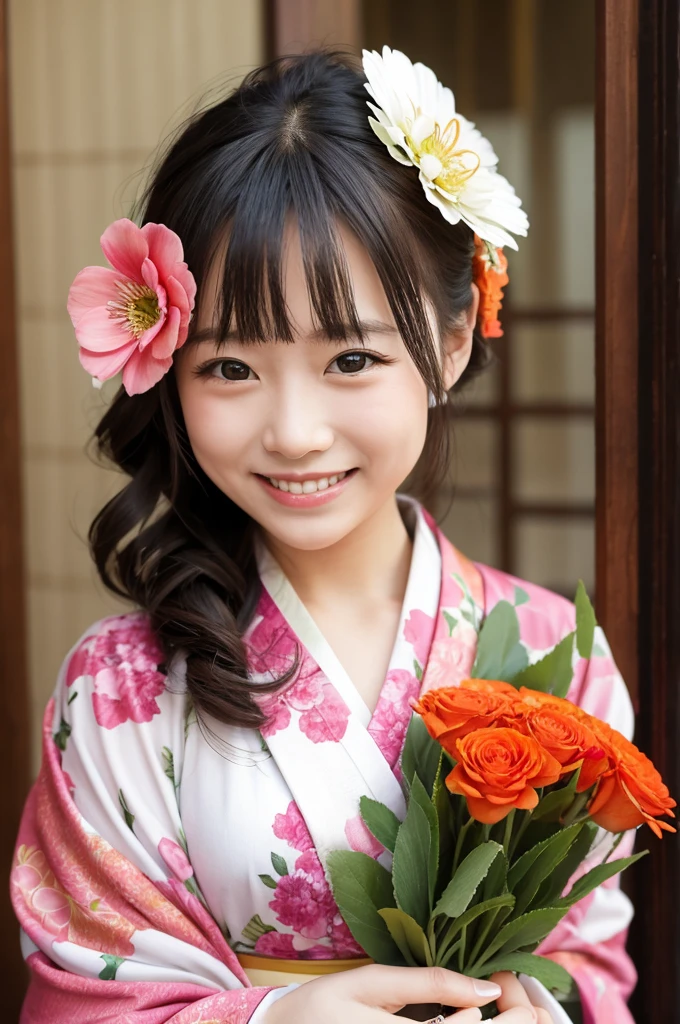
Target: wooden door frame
<point>14,721</point>
<point>655,938</point>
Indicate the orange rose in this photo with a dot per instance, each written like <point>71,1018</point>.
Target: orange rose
<point>491,686</point>
<point>534,699</point>
<point>453,711</point>
<point>499,769</point>
<point>632,792</point>
<point>570,741</point>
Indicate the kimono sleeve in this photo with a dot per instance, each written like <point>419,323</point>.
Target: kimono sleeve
<point>114,924</point>
<point>590,941</point>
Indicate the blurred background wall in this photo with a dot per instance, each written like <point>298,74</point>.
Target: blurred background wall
<point>96,85</point>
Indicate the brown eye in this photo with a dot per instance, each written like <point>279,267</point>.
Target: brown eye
<point>352,362</point>
<point>232,369</point>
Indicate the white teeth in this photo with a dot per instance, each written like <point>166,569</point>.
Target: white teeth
<point>307,486</point>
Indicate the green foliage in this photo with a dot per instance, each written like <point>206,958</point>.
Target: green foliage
<point>550,974</point>
<point>409,937</point>
<point>500,655</point>
<point>553,673</point>
<point>361,887</point>
<point>410,867</point>
<point>458,894</point>
<point>421,754</point>
<point>380,822</point>
<point>585,622</point>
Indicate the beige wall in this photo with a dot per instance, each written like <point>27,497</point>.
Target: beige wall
<point>96,84</point>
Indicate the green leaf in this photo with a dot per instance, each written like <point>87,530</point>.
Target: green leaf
<point>471,914</point>
<point>419,794</point>
<point>552,806</point>
<point>410,866</point>
<point>585,622</point>
<point>279,864</point>
<point>169,764</point>
<point>361,887</point>
<point>553,673</point>
<point>256,928</point>
<point>441,798</point>
<point>268,881</point>
<point>550,974</point>
<point>544,859</point>
<point>380,821</point>
<point>526,862</point>
<point>499,652</point>
<point>72,697</point>
<point>521,597</point>
<point>596,877</point>
<point>458,894</point>
<point>127,814</point>
<point>450,621</point>
<point>61,736</point>
<point>527,930</point>
<point>112,963</point>
<point>409,937</point>
<point>417,668</point>
<point>496,880</point>
<point>554,886</point>
<point>420,755</point>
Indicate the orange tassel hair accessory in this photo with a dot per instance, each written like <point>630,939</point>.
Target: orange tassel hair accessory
<point>489,272</point>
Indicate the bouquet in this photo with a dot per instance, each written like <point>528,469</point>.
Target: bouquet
<point>508,785</point>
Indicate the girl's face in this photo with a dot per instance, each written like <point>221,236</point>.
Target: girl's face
<point>313,438</point>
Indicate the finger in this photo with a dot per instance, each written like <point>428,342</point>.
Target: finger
<point>470,1016</point>
<point>394,987</point>
<point>544,1016</point>
<point>518,1015</point>
<point>514,993</point>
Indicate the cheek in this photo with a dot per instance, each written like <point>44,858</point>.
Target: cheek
<point>216,438</point>
<point>393,424</point>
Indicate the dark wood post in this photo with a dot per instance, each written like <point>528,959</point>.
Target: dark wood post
<point>14,720</point>
<point>655,938</point>
<point>616,344</point>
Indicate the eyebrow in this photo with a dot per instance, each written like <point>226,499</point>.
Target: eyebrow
<point>344,331</point>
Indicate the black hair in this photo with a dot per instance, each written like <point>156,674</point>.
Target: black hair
<point>293,138</point>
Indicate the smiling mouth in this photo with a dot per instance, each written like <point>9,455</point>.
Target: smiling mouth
<point>320,483</point>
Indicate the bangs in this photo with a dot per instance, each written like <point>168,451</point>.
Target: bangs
<point>320,192</point>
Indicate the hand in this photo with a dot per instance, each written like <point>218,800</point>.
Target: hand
<point>515,996</point>
<point>369,995</point>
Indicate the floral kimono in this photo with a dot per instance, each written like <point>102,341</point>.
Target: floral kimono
<point>155,849</point>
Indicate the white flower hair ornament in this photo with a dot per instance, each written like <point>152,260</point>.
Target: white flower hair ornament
<point>416,118</point>
<point>417,121</point>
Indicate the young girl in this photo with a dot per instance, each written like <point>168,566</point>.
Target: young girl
<point>206,751</point>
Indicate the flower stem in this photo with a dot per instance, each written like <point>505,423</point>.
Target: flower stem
<point>461,950</point>
<point>514,843</point>
<point>577,806</point>
<point>509,821</point>
<point>483,937</point>
<point>459,843</point>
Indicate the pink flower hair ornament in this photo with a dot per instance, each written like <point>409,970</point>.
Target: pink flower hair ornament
<point>133,315</point>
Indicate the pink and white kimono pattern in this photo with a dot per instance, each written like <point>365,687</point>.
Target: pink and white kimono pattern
<point>154,847</point>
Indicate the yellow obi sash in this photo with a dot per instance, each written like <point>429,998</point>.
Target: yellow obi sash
<point>271,971</point>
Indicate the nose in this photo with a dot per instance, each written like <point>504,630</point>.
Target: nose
<point>297,423</point>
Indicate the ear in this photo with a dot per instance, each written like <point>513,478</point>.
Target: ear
<point>457,344</point>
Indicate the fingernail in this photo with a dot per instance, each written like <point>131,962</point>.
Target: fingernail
<point>486,989</point>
